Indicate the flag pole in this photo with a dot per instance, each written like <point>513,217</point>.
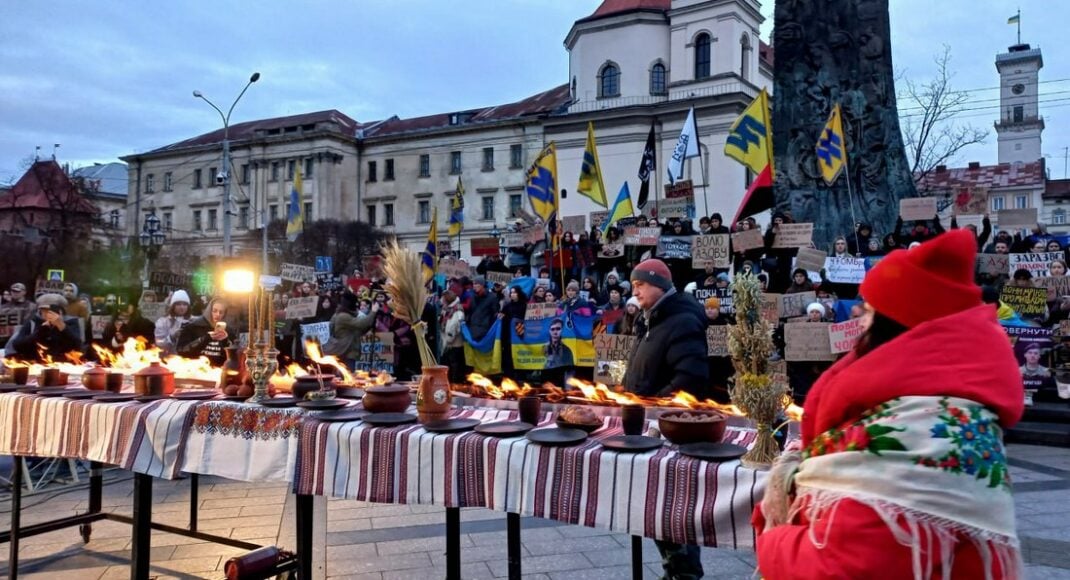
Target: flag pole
<point>705,196</point>
<point>1019,23</point>
<point>847,176</point>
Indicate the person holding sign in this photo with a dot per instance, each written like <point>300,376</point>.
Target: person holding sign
<point>902,467</point>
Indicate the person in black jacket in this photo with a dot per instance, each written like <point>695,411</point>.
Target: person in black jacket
<point>480,317</point>
<point>49,328</point>
<point>127,323</point>
<point>207,335</point>
<point>670,357</point>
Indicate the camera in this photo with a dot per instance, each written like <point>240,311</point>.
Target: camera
<point>221,178</point>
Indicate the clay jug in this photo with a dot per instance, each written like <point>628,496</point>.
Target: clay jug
<point>233,371</point>
<point>433,394</point>
<point>95,378</point>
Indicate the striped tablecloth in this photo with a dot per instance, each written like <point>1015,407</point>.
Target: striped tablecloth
<point>145,438</point>
<point>659,494</point>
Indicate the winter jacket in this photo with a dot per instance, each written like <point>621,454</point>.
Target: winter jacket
<point>672,354</point>
<point>481,317</point>
<point>193,341</point>
<point>135,328</point>
<point>167,329</point>
<point>33,332</point>
<point>450,320</point>
<point>346,330</point>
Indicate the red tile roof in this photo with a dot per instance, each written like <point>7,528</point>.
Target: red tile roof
<point>46,186</point>
<point>986,176</point>
<point>610,7</point>
<point>1057,189</point>
<point>341,122</point>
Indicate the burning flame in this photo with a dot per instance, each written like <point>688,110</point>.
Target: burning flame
<point>316,355</point>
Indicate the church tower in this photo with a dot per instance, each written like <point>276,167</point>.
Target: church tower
<point>1020,125</point>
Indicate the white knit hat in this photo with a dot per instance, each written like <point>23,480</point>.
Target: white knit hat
<point>633,301</point>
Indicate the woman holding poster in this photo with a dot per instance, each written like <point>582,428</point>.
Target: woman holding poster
<point>902,471</point>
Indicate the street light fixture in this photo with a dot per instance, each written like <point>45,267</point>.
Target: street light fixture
<point>224,176</point>
<point>152,240</point>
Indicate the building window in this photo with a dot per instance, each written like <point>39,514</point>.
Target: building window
<point>516,203</point>
<point>488,208</point>
<point>113,219</point>
<point>488,159</point>
<point>274,171</point>
<point>213,215</point>
<point>516,156</point>
<point>212,173</point>
<point>291,168</point>
<point>308,167</point>
<point>423,212</point>
<point>150,183</point>
<point>388,170</point>
<point>370,210</point>
<point>273,212</point>
<point>196,179</point>
<point>997,203</point>
<point>243,217</point>
<point>609,81</point>
<point>197,226</point>
<point>308,211</point>
<point>168,221</point>
<point>388,214</point>
<point>1058,217</point>
<point>245,174</point>
<point>702,56</point>
<point>1019,114</point>
<point>455,162</point>
<point>658,84</point>
<point>372,173</point>
<point>1021,202</point>
<point>425,165</point>
<point>167,181</point>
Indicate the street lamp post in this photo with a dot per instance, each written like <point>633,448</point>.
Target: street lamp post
<point>224,176</point>
<point>152,239</point>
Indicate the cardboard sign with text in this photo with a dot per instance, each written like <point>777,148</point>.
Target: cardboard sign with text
<point>993,264</point>
<point>792,305</point>
<point>503,277</point>
<point>48,287</point>
<point>98,323</point>
<point>598,218</point>
<point>770,308</point>
<point>297,273</point>
<point>485,246</point>
<point>747,240</point>
<point>1017,218</point>
<point>710,250</point>
<point>533,235</point>
<point>576,224</point>
<point>810,259</point>
<point>1025,301</point>
<point>636,236</point>
<point>678,207</point>
<point>807,341</point>
<point>674,247</point>
<point>326,282</point>
<point>609,347</point>
<point>165,283</point>
<point>10,322</point>
<point>793,236</point>
<point>1057,286</point>
<point>917,208</point>
<point>970,202</point>
<point>376,352</point>
<point>453,268</point>
<point>845,270</point>
<point>301,307</point>
<point>717,340</point>
<point>844,335</point>
<point>680,189</point>
<point>153,311</point>
<point>540,311</point>
<point>512,240</point>
<point>611,251</point>
<point>321,331</point>
<point>1036,264</point>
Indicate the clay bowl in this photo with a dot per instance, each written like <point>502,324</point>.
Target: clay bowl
<point>586,427</point>
<point>677,429</point>
<point>305,384</point>
<point>388,399</point>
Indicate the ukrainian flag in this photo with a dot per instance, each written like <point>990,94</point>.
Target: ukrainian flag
<point>542,184</point>
<point>622,208</point>
<point>457,210</point>
<point>429,257</point>
<point>295,213</point>
<point>831,148</point>
<point>485,355</point>
<point>750,139</point>
<point>591,173</point>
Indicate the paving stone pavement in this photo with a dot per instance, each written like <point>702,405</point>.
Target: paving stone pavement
<point>363,541</point>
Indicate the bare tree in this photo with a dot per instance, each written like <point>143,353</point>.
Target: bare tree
<point>930,133</point>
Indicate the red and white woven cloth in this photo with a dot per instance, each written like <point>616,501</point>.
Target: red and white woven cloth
<point>659,494</point>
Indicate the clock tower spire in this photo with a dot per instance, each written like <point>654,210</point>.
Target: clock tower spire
<point>1020,124</point>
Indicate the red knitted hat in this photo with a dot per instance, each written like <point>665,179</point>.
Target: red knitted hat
<point>930,281</point>
<point>653,272</point>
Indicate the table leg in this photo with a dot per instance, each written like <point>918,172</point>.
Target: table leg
<point>194,485</point>
<point>637,558</point>
<point>512,544</point>
<point>142,533</point>
<point>16,517</point>
<point>96,493</point>
<point>304,536</point>
<point>453,543</point>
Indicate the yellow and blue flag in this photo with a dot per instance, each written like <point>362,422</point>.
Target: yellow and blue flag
<point>429,257</point>
<point>457,210</point>
<point>534,347</point>
<point>295,213</point>
<point>831,148</point>
<point>591,173</point>
<point>484,355</point>
<point>542,184</point>
<point>622,208</point>
<point>750,139</point>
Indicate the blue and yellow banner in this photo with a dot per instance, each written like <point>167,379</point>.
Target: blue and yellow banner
<point>831,148</point>
<point>429,257</point>
<point>542,184</point>
<point>563,341</point>
<point>591,184</point>
<point>456,220</point>
<point>485,355</point>
<point>295,213</point>
<point>750,139</point>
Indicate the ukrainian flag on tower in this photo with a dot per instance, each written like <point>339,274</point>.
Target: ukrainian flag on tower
<point>542,184</point>
<point>429,257</point>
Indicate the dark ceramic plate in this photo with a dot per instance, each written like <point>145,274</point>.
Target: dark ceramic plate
<point>556,436</point>
<point>236,398</point>
<point>585,427</point>
<point>389,419</point>
<point>349,393</point>
<point>631,443</point>
<point>322,404</point>
<point>81,395</point>
<point>32,390</point>
<point>9,387</point>
<point>341,416</point>
<point>150,398</point>
<point>194,395</point>
<point>713,451</point>
<point>115,397</point>
<point>280,402</point>
<point>54,391</point>
<point>451,425</point>
<point>504,428</point>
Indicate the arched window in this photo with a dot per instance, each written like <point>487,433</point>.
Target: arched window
<point>572,90</point>
<point>609,81</point>
<point>658,81</point>
<point>702,56</point>
<point>744,59</point>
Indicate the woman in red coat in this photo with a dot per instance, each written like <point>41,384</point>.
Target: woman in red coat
<point>902,471</point>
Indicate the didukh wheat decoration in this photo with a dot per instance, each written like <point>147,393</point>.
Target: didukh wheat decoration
<point>408,293</point>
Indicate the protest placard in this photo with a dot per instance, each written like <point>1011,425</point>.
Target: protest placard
<point>164,283</point>
<point>845,270</point>
<point>610,347</point>
<point>810,259</point>
<point>598,218</point>
<point>636,236</point>
<point>48,287</point>
<point>320,331</point>
<point>373,266</point>
<point>304,307</point>
<point>297,273</point>
<point>1064,328</point>
<point>1036,264</point>
<point>807,341</point>
<point>770,308</point>
<point>969,201</point>
<point>10,322</point>
<point>1017,218</point>
<point>376,352</point>
<point>454,268</point>
<point>917,208</point>
<point>680,189</point>
<point>793,235</point>
<point>444,248</point>
<point>993,264</point>
<point>792,305</point>
<point>512,240</point>
<point>153,311</point>
<point>577,224</point>
<point>1025,301</point>
<point>970,219</point>
<point>747,240</point>
<point>778,373</point>
<point>717,340</point>
<point>503,277</point>
<point>538,311</point>
<point>98,323</point>
<point>844,335</point>
<point>533,234</point>
<point>1056,286</point>
<point>485,246</point>
<point>326,282</point>
<point>674,247</point>
<point>679,207</point>
<point>710,250</point>
<point>544,282</point>
<point>611,251</point>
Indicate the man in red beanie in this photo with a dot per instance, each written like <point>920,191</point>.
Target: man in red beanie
<point>670,357</point>
<point>902,471</point>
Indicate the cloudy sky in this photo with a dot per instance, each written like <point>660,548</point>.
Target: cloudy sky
<point>106,79</point>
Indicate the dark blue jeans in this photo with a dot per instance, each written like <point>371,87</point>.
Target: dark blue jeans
<point>680,561</point>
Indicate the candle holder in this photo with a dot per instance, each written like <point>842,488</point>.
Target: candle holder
<point>261,368</point>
